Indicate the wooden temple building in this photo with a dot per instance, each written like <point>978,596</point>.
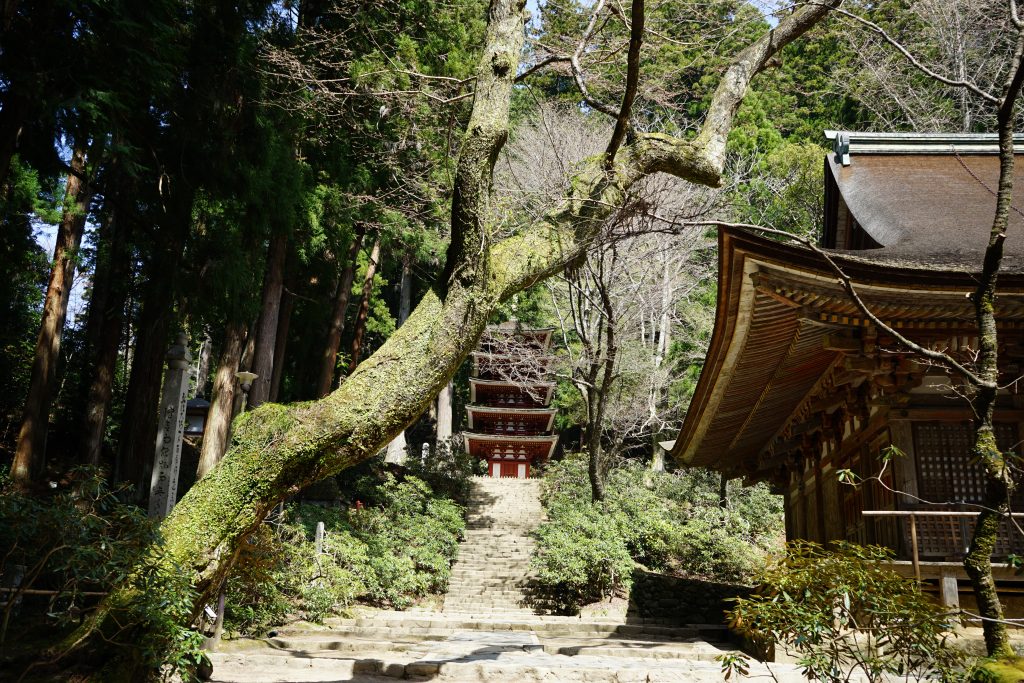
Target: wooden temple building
<point>509,419</point>
<point>799,385</point>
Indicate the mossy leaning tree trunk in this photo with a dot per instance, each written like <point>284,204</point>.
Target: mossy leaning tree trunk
<point>277,450</point>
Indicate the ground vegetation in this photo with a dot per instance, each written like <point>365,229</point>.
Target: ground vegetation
<point>673,522</point>
<point>276,179</point>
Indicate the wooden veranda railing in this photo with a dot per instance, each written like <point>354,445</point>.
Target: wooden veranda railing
<point>948,533</point>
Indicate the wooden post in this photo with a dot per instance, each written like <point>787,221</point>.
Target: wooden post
<point>913,547</point>
<point>949,594</point>
<point>319,538</point>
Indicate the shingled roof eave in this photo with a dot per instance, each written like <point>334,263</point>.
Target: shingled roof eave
<point>739,250</point>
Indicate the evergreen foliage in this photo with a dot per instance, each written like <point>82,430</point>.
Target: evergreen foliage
<point>672,522</point>
<point>394,547</point>
<point>79,543</point>
<point>843,613</point>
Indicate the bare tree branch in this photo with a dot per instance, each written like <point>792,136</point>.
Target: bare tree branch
<point>577,70</point>
<point>916,63</point>
<point>553,59</point>
<point>636,36</point>
<point>1014,81</point>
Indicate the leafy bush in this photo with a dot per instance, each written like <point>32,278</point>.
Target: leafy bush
<point>82,541</point>
<point>844,613</point>
<point>582,558</point>
<point>665,521</point>
<point>396,549</point>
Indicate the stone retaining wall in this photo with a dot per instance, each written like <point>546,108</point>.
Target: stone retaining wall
<point>682,601</point>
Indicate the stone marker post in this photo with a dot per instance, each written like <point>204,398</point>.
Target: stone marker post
<point>319,538</point>
<point>163,489</point>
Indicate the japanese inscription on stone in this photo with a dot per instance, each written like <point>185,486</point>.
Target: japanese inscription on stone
<point>163,490</point>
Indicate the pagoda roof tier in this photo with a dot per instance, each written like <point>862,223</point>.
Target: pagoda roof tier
<point>520,448</point>
<point>505,336</point>
<point>506,366</point>
<point>505,394</point>
<point>789,346</point>
<point>510,421</point>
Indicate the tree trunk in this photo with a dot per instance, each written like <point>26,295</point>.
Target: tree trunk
<point>137,443</point>
<point>218,421</point>
<point>245,364</point>
<point>266,326</point>
<point>203,366</point>
<point>595,467</point>
<point>397,448</point>
<point>443,429</point>
<point>659,389</point>
<point>364,305</point>
<point>279,449</point>
<point>106,318</point>
<point>658,459</point>
<point>284,322</point>
<point>329,358</point>
<point>1000,483</point>
<point>29,456</point>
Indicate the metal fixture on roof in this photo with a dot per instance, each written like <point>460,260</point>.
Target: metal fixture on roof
<point>841,146</point>
<point>913,143</point>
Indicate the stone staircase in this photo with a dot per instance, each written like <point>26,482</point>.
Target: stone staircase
<point>494,559</point>
<point>446,647</point>
<point>484,633</point>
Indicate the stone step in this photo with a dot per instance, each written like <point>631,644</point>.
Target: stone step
<point>508,551</point>
<point>499,565</point>
<point>494,556</point>
<point>483,577</point>
<point>544,626</point>
<point>464,592</point>
<point>612,647</point>
<point>455,664</point>
<point>491,605</point>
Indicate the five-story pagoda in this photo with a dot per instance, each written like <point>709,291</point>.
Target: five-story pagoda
<point>509,419</point>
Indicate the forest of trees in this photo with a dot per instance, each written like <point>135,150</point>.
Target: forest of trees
<point>272,179</point>
<point>286,181</point>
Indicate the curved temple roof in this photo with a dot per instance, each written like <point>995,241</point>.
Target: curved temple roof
<point>777,305</point>
<point>925,209</point>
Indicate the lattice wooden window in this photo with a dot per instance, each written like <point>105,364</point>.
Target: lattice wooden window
<point>943,453</point>
<point>853,502</point>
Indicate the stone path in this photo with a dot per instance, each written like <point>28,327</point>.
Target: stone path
<point>494,559</point>
<point>485,632</point>
<point>437,646</point>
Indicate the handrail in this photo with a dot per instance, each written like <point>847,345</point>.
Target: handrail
<point>929,513</point>
<point>914,514</point>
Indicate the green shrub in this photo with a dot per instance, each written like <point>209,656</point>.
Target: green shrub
<point>394,550</point>
<point>709,545</point>
<point>84,539</point>
<point>665,521</point>
<point>843,613</point>
<point>582,557</point>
